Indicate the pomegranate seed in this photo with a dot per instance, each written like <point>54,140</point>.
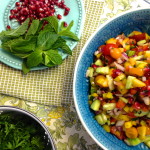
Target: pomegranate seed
<point>11,17</point>
<point>59,16</point>
<point>130,100</point>
<point>17,4</point>
<point>67,9</point>
<point>32,7</point>
<point>8,27</point>
<point>40,10</point>
<point>65,24</point>
<point>66,13</point>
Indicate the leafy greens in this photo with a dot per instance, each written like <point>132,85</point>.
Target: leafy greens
<point>38,44</point>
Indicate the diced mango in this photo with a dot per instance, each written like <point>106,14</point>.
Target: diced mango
<point>101,81</point>
<point>106,128</point>
<point>137,83</point>
<point>141,130</point>
<point>128,124</point>
<point>147,54</point>
<point>131,132</point>
<point>111,41</point>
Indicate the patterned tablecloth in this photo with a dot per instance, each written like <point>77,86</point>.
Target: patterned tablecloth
<point>55,105</point>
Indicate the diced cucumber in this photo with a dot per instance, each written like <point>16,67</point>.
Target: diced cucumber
<point>95,105</point>
<point>138,57</point>
<point>140,113</point>
<point>123,99</point>
<point>130,53</point>
<point>103,70</point>
<point>133,142</point>
<point>109,106</point>
<point>93,90</point>
<point>129,82</point>
<point>110,82</point>
<point>101,118</point>
<point>98,62</point>
<point>141,42</point>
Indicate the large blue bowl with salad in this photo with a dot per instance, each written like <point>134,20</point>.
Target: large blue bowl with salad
<point>112,82</point>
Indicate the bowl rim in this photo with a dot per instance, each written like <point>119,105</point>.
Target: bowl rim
<point>77,64</point>
<point>31,115</point>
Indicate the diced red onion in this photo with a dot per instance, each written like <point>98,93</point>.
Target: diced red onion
<point>146,100</point>
<point>119,60</point>
<point>124,56</point>
<point>119,66</point>
<point>120,123</point>
<point>143,78</point>
<point>117,111</point>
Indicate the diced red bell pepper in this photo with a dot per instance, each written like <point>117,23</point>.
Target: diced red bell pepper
<point>131,115</point>
<point>133,91</point>
<point>136,105</point>
<point>120,104</point>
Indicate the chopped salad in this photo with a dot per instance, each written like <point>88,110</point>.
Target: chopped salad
<point>120,87</point>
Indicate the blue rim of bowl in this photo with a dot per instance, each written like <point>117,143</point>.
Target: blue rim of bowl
<point>72,45</point>
<point>76,70</point>
<point>33,117</point>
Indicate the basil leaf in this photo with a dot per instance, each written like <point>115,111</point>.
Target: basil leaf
<point>66,28</point>
<point>33,27</point>
<point>15,32</point>
<point>22,55</point>
<point>53,21</point>
<point>35,58</point>
<point>66,49</point>
<point>46,40</point>
<point>25,69</point>
<point>53,57</point>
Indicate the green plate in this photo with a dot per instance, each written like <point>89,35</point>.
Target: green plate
<point>76,14</point>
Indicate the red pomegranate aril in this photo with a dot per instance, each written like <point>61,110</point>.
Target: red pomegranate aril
<point>11,17</point>
<point>8,27</point>
<point>59,16</point>
<point>65,24</point>
<point>32,7</point>
<point>19,8</point>
<point>66,13</point>
<point>17,4</point>
<point>12,11</point>
<point>22,18</point>
<point>40,10</point>
<point>67,9</point>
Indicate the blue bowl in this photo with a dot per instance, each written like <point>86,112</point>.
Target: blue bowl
<point>138,19</point>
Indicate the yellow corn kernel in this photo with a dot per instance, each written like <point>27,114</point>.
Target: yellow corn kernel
<point>127,109</point>
<point>134,123</point>
<point>142,122</point>
<point>111,41</point>
<point>128,124</point>
<point>94,95</point>
<point>106,128</point>
<point>123,117</point>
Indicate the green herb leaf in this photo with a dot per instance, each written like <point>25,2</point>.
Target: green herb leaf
<point>33,27</point>
<point>54,58</point>
<point>53,22</point>
<point>25,69</point>
<point>67,33</point>
<point>61,43</point>
<point>34,59</point>
<point>46,40</point>
<point>15,32</point>
<point>66,28</point>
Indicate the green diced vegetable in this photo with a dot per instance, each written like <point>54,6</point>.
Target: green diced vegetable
<point>109,106</point>
<point>130,53</point>
<point>141,42</point>
<point>133,142</point>
<point>96,105</point>
<point>98,62</point>
<point>101,118</point>
<point>129,82</point>
<point>102,70</point>
<point>123,99</point>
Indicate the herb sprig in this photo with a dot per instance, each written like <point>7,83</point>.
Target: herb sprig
<point>38,45</point>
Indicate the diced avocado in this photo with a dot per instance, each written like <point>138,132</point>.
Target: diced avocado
<point>103,70</point>
<point>101,118</point>
<point>133,142</point>
<point>95,105</point>
<point>110,82</point>
<point>123,99</point>
<point>98,62</point>
<point>108,95</point>
<point>140,113</point>
<point>109,106</point>
<point>120,77</point>
<point>141,42</point>
<point>129,82</point>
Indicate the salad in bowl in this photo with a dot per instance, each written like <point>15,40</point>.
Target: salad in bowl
<point>119,93</point>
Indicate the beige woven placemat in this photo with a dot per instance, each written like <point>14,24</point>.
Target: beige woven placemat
<point>51,86</point>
